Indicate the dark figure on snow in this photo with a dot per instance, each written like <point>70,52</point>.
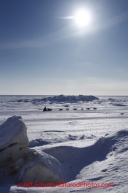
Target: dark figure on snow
<point>44,109</point>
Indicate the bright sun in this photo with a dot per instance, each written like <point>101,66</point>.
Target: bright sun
<point>82,18</point>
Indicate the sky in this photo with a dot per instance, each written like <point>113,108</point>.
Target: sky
<point>43,50</point>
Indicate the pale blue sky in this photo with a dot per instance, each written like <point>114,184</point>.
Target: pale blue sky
<point>42,52</point>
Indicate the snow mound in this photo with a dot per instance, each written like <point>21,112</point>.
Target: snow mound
<point>73,137</point>
<point>38,167</point>
<point>37,142</point>
<point>21,100</point>
<point>65,99</point>
<point>112,100</point>
<point>118,104</point>
<point>13,140</point>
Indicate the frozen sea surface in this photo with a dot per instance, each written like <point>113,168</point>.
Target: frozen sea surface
<point>88,137</point>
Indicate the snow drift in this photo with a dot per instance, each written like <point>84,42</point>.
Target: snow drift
<point>73,159</point>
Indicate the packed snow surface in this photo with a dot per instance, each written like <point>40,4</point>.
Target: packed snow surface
<point>88,137</point>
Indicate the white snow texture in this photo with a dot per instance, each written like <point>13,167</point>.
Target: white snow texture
<point>85,141</point>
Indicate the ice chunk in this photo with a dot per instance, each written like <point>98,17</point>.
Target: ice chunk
<point>13,140</point>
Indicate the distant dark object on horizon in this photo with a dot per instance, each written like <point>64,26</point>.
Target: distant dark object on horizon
<point>87,108</point>
<point>94,108</point>
<point>75,109</point>
<point>60,109</point>
<point>46,109</point>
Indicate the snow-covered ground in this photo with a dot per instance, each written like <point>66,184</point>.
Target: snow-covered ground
<point>91,144</point>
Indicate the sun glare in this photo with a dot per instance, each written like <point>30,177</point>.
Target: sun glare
<point>82,18</point>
